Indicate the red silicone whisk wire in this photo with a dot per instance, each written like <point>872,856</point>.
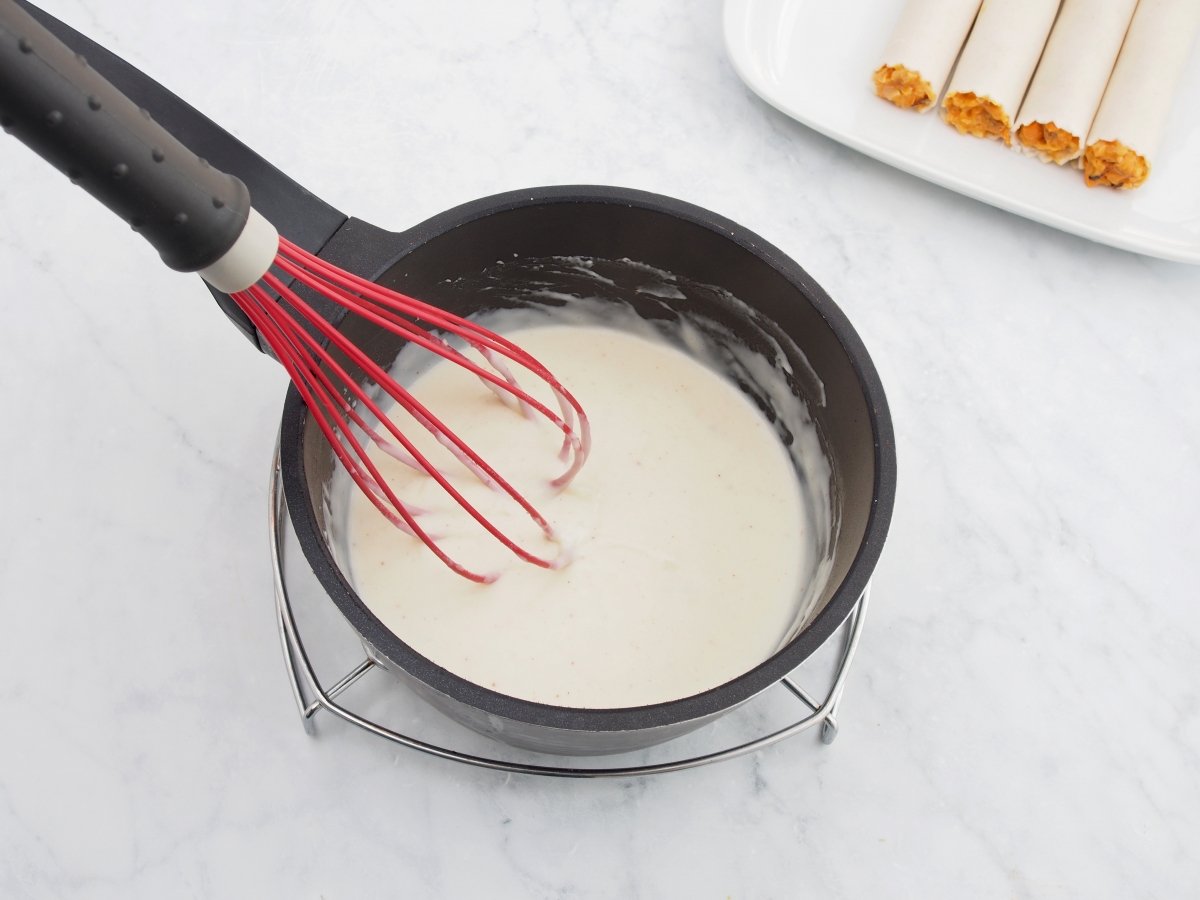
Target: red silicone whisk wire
<point>340,286</point>
<point>293,329</point>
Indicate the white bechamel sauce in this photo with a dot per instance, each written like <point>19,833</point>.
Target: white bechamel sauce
<point>694,549</point>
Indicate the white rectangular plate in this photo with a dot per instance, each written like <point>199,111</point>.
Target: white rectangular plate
<point>813,60</point>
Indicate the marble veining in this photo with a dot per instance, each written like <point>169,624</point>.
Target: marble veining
<point>1023,718</point>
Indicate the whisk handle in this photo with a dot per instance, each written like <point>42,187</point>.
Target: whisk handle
<point>67,113</point>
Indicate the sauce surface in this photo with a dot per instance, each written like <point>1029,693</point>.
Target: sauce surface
<point>686,532</point>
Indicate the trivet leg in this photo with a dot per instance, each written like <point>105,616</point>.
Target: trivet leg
<point>829,727</point>
<point>289,656</point>
<point>829,730</point>
<point>287,639</point>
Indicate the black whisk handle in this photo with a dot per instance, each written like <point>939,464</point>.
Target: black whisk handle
<point>52,101</point>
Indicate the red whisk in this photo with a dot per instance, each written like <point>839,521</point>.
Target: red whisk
<point>201,220</point>
<point>317,375</point>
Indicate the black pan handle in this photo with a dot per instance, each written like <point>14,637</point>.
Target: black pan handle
<point>63,110</point>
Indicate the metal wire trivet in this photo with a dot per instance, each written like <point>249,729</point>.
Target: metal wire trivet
<point>312,697</point>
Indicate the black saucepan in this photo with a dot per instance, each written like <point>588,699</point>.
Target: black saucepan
<point>613,223</point>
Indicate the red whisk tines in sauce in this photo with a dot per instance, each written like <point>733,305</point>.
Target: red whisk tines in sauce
<point>324,384</point>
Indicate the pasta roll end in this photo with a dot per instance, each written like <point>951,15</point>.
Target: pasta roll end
<point>1049,142</point>
<point>979,117</point>
<point>1112,164</point>
<point>904,87</point>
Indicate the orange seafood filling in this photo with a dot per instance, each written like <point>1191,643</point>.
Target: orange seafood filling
<point>977,116</point>
<point>1112,164</point>
<point>904,87</point>
<point>1047,138</point>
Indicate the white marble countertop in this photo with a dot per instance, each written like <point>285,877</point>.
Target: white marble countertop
<point>1022,720</point>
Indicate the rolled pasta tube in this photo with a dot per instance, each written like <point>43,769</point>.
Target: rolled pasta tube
<point>918,58</point>
<point>1133,115</point>
<point>996,66</point>
<point>1070,80</point>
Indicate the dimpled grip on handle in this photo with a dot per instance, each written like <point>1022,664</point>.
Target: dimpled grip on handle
<point>78,122</point>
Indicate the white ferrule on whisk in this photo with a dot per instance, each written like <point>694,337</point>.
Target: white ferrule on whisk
<point>248,260</point>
